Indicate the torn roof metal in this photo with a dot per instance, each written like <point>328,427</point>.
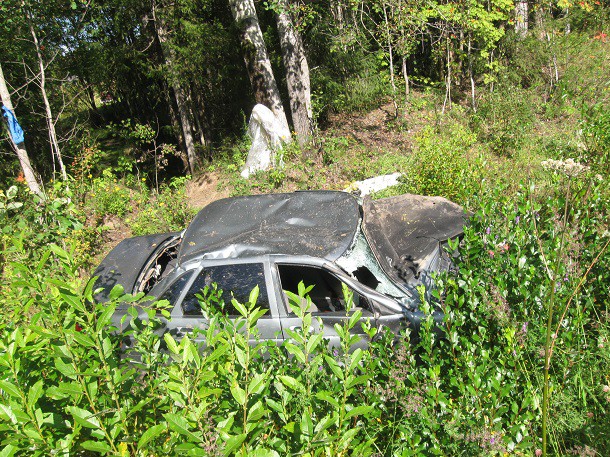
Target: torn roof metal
<point>316,223</point>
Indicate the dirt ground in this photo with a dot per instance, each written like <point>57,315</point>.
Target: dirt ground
<point>375,130</point>
<point>204,189</point>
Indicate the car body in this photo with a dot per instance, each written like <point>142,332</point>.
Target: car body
<point>380,249</point>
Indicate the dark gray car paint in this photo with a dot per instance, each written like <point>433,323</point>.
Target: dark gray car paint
<point>406,233</point>
<point>316,223</point>
<point>124,263</point>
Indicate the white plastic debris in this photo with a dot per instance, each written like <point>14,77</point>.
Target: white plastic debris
<point>368,186</point>
<point>268,137</point>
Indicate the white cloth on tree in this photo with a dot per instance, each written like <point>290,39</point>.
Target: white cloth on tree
<point>268,137</point>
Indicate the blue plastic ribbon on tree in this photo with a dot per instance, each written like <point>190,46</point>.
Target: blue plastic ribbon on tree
<point>13,125</point>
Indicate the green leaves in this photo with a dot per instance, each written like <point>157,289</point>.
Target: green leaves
<point>34,394</point>
<point>10,389</point>
<point>292,383</point>
<point>96,446</point>
<point>238,393</point>
<point>83,417</point>
<point>150,434</point>
<point>474,389</point>
<point>233,443</point>
<point>180,425</point>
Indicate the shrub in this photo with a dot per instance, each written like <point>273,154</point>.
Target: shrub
<point>529,261</point>
<point>167,211</point>
<point>504,118</point>
<point>109,196</point>
<point>443,164</point>
<point>596,134</point>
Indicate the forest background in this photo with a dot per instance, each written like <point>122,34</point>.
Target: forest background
<point>135,115</point>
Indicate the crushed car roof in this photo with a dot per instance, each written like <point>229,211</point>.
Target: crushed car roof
<point>316,223</point>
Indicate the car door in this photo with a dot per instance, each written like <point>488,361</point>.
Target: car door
<point>328,306</point>
<point>236,280</point>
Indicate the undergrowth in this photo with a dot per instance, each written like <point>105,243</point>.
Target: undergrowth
<point>67,386</point>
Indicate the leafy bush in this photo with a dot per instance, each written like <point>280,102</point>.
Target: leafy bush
<point>596,134</point>
<point>504,118</point>
<point>29,223</point>
<point>445,165</point>
<point>167,211</point>
<point>109,196</point>
<point>358,89</point>
<point>476,391</point>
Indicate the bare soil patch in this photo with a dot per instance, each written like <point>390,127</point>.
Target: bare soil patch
<point>205,189</point>
<point>377,130</point>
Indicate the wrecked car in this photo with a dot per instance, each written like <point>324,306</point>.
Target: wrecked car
<point>381,250</point>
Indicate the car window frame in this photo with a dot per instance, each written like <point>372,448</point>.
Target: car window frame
<point>287,312</point>
<point>272,312</point>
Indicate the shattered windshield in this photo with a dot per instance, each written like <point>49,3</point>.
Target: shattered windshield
<point>361,263</point>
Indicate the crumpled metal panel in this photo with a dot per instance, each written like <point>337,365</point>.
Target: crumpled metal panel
<point>405,232</point>
<point>124,263</point>
<point>315,223</point>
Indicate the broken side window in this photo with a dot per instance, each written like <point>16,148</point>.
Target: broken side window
<point>361,263</point>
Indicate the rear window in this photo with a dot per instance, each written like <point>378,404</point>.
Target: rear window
<point>236,281</point>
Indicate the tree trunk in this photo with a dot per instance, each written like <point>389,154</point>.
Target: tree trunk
<point>197,114</point>
<point>297,74</point>
<point>22,154</point>
<point>405,75</point>
<point>257,61</point>
<point>390,57</point>
<point>96,117</point>
<point>180,96</point>
<point>471,73</point>
<point>55,150</point>
<point>176,127</point>
<point>447,102</point>
<point>187,128</point>
<point>336,9</point>
<point>521,17</point>
<point>540,16</point>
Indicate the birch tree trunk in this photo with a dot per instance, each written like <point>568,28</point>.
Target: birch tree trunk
<point>55,150</point>
<point>390,57</point>
<point>22,154</point>
<point>179,94</point>
<point>297,74</point>
<point>256,58</point>
<point>521,17</point>
<point>447,102</point>
<point>405,75</point>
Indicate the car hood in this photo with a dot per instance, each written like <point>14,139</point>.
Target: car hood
<point>125,262</point>
<point>406,233</point>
